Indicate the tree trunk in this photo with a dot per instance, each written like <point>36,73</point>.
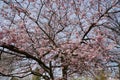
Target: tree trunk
<point>64,72</point>
<point>51,72</point>
<point>64,67</point>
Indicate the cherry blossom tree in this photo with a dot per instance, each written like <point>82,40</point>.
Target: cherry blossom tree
<point>65,38</point>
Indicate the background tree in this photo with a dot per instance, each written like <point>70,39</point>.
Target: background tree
<point>66,38</point>
<point>34,77</point>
